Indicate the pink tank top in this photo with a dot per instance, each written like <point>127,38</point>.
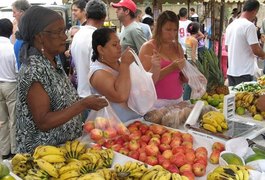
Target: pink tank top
<point>170,87</point>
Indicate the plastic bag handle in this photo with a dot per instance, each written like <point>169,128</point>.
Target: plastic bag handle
<point>136,58</point>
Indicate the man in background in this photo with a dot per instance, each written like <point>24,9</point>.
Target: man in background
<point>145,28</point>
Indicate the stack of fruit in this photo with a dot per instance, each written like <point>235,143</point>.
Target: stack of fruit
<point>247,100</point>
<point>102,129</point>
<point>229,172</point>
<point>215,100</point>
<point>156,145</point>
<point>214,122</point>
<point>217,148</point>
<point>68,161</point>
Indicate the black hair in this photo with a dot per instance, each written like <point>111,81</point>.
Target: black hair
<point>251,5</point>
<point>183,12</point>
<point>148,11</point>
<point>149,21</point>
<point>193,28</point>
<point>6,27</point>
<point>96,9</point>
<point>80,4</point>
<point>100,37</point>
<point>192,9</point>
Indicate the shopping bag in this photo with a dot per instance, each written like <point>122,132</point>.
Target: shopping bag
<point>104,124</point>
<point>196,80</point>
<point>143,93</point>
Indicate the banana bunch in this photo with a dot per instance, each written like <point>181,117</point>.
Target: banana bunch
<point>21,163</point>
<point>130,170</point>
<point>244,99</point>
<point>108,174</point>
<point>73,149</point>
<point>47,167</point>
<point>91,176</point>
<point>71,169</point>
<point>176,176</point>
<point>156,172</point>
<point>50,154</point>
<point>36,174</point>
<point>214,121</point>
<point>107,155</point>
<point>229,172</point>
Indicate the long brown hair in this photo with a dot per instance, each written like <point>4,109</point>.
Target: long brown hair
<point>162,19</point>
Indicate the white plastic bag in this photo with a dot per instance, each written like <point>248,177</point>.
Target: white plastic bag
<point>143,94</point>
<point>196,80</point>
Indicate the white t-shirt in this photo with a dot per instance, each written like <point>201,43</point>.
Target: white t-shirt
<point>240,34</point>
<point>81,51</point>
<point>8,68</point>
<point>183,34</point>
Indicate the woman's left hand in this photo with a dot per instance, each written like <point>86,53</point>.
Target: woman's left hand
<point>181,63</point>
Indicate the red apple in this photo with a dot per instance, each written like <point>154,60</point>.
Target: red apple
<point>163,147</point>
<point>187,144</point>
<point>134,154</point>
<point>157,129</point>
<point>124,151</point>
<point>156,136</point>
<point>142,144</point>
<point>88,126</point>
<point>110,133</point>
<point>143,128</point>
<point>178,159</point>
<point>166,164</point>
<point>201,150</point>
<point>101,123</point>
<point>96,134</point>
<point>149,133</point>
<point>116,147</point>
<point>167,154</point>
<point>133,145</point>
<point>145,138</point>
<point>189,175</point>
<point>155,141</point>
<point>175,142</point>
<point>185,167</point>
<point>160,159</point>
<point>121,129</point>
<point>199,169</point>
<point>137,123</point>
<point>142,156</point>
<point>132,128</point>
<point>119,140</point>
<point>166,138</point>
<point>178,149</point>
<point>135,135</point>
<point>151,150</point>
<point>218,146</point>
<point>173,169</point>
<point>190,156</point>
<point>214,157</point>
<point>108,143</point>
<point>176,134</point>
<point>187,137</point>
<point>151,160</point>
<point>201,161</point>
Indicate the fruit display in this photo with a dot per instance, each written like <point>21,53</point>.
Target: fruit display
<point>71,160</point>
<point>4,173</point>
<point>215,100</point>
<point>209,66</point>
<point>248,87</point>
<point>214,121</point>
<point>102,128</point>
<point>247,101</point>
<point>171,116</point>
<point>229,172</point>
<point>154,144</point>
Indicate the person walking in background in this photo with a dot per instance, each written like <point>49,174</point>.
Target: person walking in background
<point>242,45</point>
<point>234,13</point>
<point>148,13</point>
<point>191,52</point>
<point>81,47</point>
<point>163,56</point>
<point>19,7</point>
<point>131,34</point>
<point>79,12</point>
<point>193,15</point>
<point>8,92</point>
<point>150,22</point>
<point>145,28</point>
<point>48,109</point>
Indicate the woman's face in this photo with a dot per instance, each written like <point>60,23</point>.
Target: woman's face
<point>77,13</point>
<point>17,14</point>
<point>112,48</point>
<point>54,38</point>
<point>169,32</point>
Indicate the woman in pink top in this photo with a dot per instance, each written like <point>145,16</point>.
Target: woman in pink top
<point>163,56</point>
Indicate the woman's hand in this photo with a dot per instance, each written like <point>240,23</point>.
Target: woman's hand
<point>95,102</point>
<point>127,56</point>
<point>155,60</point>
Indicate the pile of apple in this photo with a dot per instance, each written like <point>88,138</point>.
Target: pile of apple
<point>102,129</point>
<point>154,144</point>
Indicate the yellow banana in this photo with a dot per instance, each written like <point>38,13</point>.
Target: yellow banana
<point>51,158</point>
<point>175,176</point>
<point>149,174</point>
<point>225,170</point>
<point>118,168</point>
<point>209,127</point>
<point>32,177</point>
<point>162,175</point>
<point>47,150</point>
<point>224,125</point>
<point>38,173</point>
<point>18,158</point>
<point>80,149</point>
<point>218,176</point>
<point>91,176</point>
<point>68,149</point>
<point>74,145</point>
<point>219,128</point>
<point>70,167</point>
<point>48,167</point>
<point>209,120</point>
<point>69,174</point>
<point>20,167</point>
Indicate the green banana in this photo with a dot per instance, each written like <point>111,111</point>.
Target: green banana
<point>258,150</point>
<point>254,157</point>
<point>232,158</point>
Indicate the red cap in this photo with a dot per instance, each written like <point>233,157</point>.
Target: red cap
<point>125,3</point>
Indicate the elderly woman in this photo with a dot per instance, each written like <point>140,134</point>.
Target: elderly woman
<point>48,109</point>
<point>164,56</point>
<point>109,73</point>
